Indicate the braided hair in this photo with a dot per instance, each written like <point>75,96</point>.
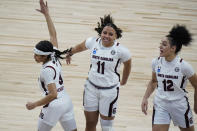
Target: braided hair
<point>108,21</point>
<point>47,46</point>
<point>178,36</point>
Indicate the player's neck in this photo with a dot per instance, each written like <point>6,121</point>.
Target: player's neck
<point>170,57</point>
<point>107,44</point>
<point>47,60</point>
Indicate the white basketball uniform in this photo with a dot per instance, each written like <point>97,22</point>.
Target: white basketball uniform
<point>61,108</point>
<point>170,101</point>
<point>102,87</point>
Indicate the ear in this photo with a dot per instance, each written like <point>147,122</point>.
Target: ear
<point>115,35</point>
<point>173,48</point>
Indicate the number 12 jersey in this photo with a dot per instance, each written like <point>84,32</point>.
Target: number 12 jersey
<point>171,77</point>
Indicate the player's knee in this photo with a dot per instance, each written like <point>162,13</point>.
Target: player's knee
<point>69,125</point>
<point>106,125</point>
<point>43,126</point>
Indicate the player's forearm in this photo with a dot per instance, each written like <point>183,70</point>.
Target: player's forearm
<point>126,72</point>
<point>51,28</point>
<point>79,48</point>
<point>193,81</point>
<point>150,89</point>
<point>195,100</point>
<point>47,99</point>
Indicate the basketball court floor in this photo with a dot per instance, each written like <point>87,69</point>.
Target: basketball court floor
<point>144,24</point>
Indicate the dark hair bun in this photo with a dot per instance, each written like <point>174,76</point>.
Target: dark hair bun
<point>45,46</point>
<point>180,35</point>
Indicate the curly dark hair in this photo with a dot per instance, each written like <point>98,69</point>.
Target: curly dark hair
<point>108,21</point>
<point>179,35</point>
<point>47,46</point>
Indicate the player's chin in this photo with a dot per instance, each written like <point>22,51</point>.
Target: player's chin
<point>37,61</point>
<point>161,54</point>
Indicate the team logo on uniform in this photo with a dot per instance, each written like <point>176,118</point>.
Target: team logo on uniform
<point>177,69</point>
<point>41,115</point>
<point>94,51</point>
<point>191,120</point>
<point>113,52</point>
<point>114,111</point>
<point>159,69</point>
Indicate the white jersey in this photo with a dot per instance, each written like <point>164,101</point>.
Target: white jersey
<point>61,108</point>
<point>172,77</point>
<point>51,73</point>
<point>105,62</point>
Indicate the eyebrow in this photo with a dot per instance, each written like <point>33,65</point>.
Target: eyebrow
<point>163,41</point>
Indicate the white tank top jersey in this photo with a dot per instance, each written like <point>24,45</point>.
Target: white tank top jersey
<point>105,62</point>
<point>51,73</point>
<point>172,77</point>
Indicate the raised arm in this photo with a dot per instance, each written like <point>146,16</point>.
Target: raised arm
<point>150,88</point>
<point>52,32</point>
<point>193,81</point>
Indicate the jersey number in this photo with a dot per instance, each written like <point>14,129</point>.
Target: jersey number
<point>60,80</point>
<point>168,85</point>
<point>101,67</point>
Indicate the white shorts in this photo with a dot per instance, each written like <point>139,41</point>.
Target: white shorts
<point>60,109</point>
<point>102,100</point>
<point>178,110</point>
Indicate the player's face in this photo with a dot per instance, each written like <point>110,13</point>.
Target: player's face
<point>108,35</point>
<point>165,48</point>
<point>39,58</point>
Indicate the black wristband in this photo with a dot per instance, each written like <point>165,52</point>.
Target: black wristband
<point>70,52</point>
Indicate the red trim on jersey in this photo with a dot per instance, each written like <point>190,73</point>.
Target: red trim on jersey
<point>181,60</point>
<point>153,116</point>
<point>182,82</point>
<point>111,110</point>
<point>45,90</point>
<point>43,87</point>
<point>187,122</point>
<point>97,39</point>
<point>53,69</point>
<point>116,69</point>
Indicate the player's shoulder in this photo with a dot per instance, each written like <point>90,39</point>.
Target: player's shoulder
<point>157,59</point>
<point>121,47</point>
<point>91,42</point>
<point>184,64</point>
<point>49,65</point>
<point>92,39</point>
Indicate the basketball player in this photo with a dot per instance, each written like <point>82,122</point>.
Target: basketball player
<point>57,103</point>
<point>102,86</point>
<point>170,74</point>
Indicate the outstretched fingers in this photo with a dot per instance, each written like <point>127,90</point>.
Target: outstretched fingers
<point>43,7</point>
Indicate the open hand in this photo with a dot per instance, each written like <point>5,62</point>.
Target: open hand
<point>43,7</point>
<point>68,59</point>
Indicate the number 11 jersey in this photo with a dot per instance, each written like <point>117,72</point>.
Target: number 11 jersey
<point>105,62</point>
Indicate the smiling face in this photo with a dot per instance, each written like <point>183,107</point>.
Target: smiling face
<point>108,35</point>
<point>166,49</point>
